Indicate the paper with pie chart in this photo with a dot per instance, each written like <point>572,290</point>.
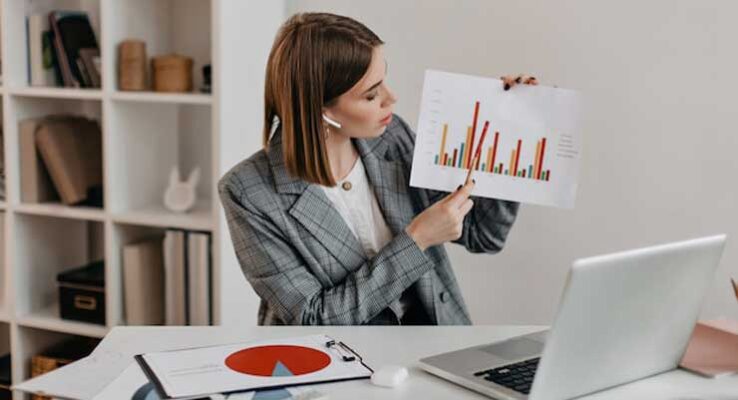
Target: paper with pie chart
<point>254,365</point>
<point>133,384</point>
<point>532,146</point>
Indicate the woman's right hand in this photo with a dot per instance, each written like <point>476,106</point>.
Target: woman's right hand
<point>443,221</point>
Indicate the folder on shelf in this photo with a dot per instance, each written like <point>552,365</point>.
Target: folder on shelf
<point>199,278</point>
<point>174,277</point>
<point>143,282</point>
<point>72,152</point>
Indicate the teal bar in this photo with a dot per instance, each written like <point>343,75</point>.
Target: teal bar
<point>484,167</point>
<point>461,156</point>
<point>436,160</point>
<point>530,171</point>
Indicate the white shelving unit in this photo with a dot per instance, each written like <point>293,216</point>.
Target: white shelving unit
<point>144,134</point>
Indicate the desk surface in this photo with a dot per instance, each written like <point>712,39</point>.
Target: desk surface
<point>396,345</point>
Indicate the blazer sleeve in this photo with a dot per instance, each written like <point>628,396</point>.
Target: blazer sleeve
<point>279,275</point>
<point>488,223</point>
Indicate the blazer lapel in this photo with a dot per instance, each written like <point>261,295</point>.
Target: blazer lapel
<point>315,212</point>
<point>389,181</point>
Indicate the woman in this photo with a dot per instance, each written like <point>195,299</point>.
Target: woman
<point>323,221</point>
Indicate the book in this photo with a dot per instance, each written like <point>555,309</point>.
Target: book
<point>175,278</point>
<point>72,152</point>
<point>72,32</point>
<point>143,282</point>
<point>39,52</point>
<point>200,276</point>
<point>90,59</point>
<point>36,185</point>
<point>50,47</point>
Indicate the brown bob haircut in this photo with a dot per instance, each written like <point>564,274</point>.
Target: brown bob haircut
<point>315,58</point>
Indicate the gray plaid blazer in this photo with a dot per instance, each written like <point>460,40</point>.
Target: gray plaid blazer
<point>308,268</point>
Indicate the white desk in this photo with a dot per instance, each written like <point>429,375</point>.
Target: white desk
<point>392,345</point>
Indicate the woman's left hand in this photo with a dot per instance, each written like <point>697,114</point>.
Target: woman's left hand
<point>511,80</point>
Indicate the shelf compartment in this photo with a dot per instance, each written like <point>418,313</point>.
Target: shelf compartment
<point>158,136</point>
<point>34,341</point>
<point>22,108</point>
<point>15,75</point>
<point>166,26</point>
<point>44,247</point>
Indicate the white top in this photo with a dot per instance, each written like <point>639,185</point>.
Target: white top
<point>354,199</point>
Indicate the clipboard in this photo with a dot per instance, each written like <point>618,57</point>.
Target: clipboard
<point>257,365</point>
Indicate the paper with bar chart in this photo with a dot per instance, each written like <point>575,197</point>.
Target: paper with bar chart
<point>532,144</point>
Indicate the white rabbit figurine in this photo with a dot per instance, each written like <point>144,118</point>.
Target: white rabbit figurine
<point>181,196</point>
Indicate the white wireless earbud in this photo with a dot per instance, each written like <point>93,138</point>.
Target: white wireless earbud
<point>331,122</point>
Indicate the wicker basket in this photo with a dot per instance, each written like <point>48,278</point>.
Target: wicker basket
<point>60,355</point>
<point>43,364</point>
<point>172,73</point>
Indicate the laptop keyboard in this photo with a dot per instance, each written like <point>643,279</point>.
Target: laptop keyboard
<point>518,376</point>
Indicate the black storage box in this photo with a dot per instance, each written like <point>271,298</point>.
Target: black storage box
<point>82,293</point>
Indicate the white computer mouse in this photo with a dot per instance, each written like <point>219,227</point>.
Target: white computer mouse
<point>389,376</point>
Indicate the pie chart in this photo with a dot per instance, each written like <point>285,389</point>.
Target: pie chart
<point>277,360</point>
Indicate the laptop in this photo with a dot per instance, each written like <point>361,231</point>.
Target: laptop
<point>622,317</point>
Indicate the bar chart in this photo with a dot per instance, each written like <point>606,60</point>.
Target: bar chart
<point>530,153</point>
<point>461,156</point>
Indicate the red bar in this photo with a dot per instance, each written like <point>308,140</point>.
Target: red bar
<point>478,153</point>
<point>500,170</point>
<point>523,173</point>
<point>445,159</point>
<point>517,158</point>
<point>474,128</point>
<point>540,159</point>
<point>548,175</point>
<point>453,163</point>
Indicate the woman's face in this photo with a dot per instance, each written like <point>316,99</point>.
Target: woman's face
<point>366,109</point>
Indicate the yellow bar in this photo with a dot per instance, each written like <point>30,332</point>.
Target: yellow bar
<point>467,148</point>
<point>443,143</point>
<point>512,161</point>
<point>535,162</point>
<point>489,159</point>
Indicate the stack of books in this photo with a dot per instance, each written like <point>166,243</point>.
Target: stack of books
<point>168,280</point>
<point>61,159</point>
<point>62,50</point>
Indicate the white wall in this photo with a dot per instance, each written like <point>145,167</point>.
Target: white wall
<point>244,35</point>
<point>659,78</point>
